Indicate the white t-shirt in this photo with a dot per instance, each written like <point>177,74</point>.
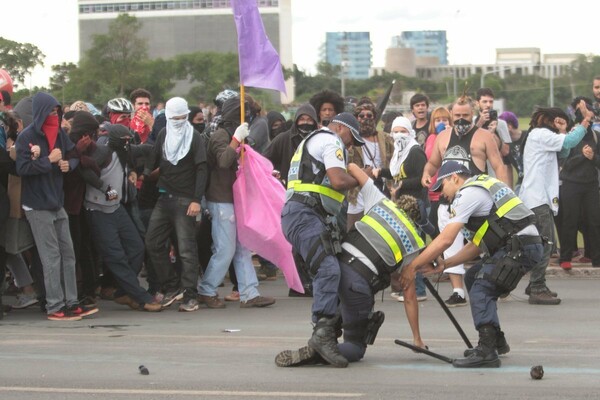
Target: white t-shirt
<point>540,169</point>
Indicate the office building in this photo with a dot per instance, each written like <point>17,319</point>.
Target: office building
<point>351,50</point>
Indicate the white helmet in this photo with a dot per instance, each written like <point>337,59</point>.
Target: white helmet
<point>120,105</point>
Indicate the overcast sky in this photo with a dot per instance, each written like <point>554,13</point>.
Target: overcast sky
<point>474,28</point>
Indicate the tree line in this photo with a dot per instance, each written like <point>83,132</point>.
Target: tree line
<point>117,63</point>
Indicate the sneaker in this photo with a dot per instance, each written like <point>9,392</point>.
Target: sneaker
<point>260,276</point>
<point>171,297</point>
<point>528,290</point>
<point>258,301</point>
<point>25,300</point>
<point>190,304</point>
<point>233,296</point>
<point>211,301</point>
<point>566,265</point>
<point>63,315</point>
<point>88,301</point>
<point>307,293</point>
<point>151,307</point>
<point>543,297</point>
<point>585,260</point>
<point>83,312</point>
<point>396,295</point>
<point>456,300</point>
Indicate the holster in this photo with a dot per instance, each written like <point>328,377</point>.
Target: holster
<point>506,274</point>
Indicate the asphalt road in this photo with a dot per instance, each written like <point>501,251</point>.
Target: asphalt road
<point>189,355</point>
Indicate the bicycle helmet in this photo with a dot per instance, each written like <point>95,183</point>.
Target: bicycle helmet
<point>120,105</point>
<point>224,96</point>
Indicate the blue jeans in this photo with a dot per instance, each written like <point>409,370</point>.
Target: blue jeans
<point>118,240</point>
<point>53,241</point>
<point>170,214</point>
<point>227,248</point>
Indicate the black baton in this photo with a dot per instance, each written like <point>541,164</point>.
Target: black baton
<point>424,351</point>
<point>447,311</point>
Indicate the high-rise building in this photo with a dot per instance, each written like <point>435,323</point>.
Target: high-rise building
<point>187,26</point>
<point>427,45</point>
<point>351,50</point>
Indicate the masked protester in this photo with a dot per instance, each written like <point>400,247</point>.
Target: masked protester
<point>196,118</point>
<point>43,151</point>
<point>375,154</point>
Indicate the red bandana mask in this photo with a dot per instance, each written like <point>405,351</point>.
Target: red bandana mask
<point>50,129</point>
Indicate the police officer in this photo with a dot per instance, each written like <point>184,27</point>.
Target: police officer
<point>380,243</point>
<point>503,228</point>
<point>317,181</point>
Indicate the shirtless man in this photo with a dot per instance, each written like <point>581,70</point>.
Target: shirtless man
<point>471,146</point>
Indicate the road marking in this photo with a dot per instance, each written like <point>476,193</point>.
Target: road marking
<point>176,392</point>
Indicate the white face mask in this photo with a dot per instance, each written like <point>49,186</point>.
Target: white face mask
<point>399,136</point>
<point>178,123</point>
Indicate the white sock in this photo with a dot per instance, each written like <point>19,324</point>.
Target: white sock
<point>461,292</point>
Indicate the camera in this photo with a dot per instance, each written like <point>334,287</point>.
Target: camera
<point>493,115</point>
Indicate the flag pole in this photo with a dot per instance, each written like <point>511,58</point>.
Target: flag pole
<point>242,117</point>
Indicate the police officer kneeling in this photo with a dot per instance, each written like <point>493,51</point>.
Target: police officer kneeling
<point>501,227</point>
<point>378,245</point>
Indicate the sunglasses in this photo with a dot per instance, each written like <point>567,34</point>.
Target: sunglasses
<point>365,115</point>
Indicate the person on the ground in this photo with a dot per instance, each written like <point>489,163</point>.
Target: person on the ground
<point>378,245</point>
<point>317,183</point>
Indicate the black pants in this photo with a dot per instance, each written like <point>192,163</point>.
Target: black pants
<point>576,200</point>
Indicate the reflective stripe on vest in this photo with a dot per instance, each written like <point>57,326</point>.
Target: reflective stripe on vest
<point>330,198</point>
<point>508,205</point>
<point>390,232</point>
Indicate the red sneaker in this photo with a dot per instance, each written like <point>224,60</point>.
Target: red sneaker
<point>63,315</point>
<point>585,260</point>
<point>83,312</point>
<point>566,265</point>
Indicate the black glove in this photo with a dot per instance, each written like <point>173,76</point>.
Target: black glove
<point>111,194</point>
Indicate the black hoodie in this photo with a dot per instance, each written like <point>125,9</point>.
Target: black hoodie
<point>42,181</point>
<point>282,148</point>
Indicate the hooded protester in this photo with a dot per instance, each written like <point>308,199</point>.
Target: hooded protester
<point>42,149</point>
<point>276,123</point>
<point>180,155</point>
<point>283,146</point>
<point>196,118</point>
<point>114,232</point>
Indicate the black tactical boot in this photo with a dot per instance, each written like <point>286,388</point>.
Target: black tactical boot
<point>296,358</point>
<point>502,346</point>
<point>484,355</point>
<point>324,342</point>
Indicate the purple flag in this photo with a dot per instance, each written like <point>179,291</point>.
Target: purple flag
<point>259,62</point>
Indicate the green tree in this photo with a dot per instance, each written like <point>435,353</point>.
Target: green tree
<point>19,59</point>
<point>58,81</point>
<point>117,57</point>
<point>208,73</point>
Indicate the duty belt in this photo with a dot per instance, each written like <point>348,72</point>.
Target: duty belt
<point>310,201</point>
<point>375,281</point>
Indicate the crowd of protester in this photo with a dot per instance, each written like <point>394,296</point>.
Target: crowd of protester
<point>132,201</point>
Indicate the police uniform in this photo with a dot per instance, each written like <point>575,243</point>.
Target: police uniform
<point>380,243</point>
<point>311,205</point>
<point>497,221</point>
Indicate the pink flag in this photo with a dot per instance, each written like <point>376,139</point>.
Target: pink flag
<point>260,65</point>
<point>258,199</point>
